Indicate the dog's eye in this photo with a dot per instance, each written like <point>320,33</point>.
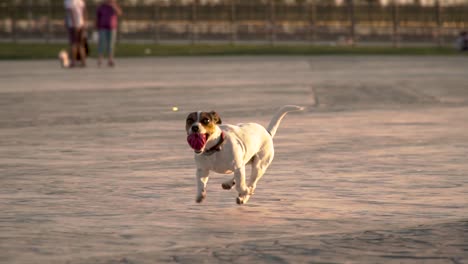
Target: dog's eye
<point>206,121</point>
<point>190,121</point>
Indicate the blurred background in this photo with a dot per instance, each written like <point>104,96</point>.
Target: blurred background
<point>322,22</point>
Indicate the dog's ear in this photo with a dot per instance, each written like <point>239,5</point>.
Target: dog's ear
<point>215,117</point>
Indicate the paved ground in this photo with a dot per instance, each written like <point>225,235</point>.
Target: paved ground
<point>94,165</point>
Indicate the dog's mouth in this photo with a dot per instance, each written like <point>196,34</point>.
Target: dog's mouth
<point>197,141</point>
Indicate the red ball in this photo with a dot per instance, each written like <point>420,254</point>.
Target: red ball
<point>196,141</point>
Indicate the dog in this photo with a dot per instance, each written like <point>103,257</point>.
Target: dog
<point>227,149</point>
<point>64,59</point>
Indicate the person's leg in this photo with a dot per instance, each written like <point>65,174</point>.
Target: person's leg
<point>101,45</point>
<point>112,38</point>
<point>73,49</point>
<point>81,47</point>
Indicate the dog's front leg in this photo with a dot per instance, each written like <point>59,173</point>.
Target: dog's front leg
<point>202,180</point>
<point>239,176</point>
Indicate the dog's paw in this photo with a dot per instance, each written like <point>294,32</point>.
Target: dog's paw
<point>228,185</point>
<point>242,199</point>
<point>201,197</point>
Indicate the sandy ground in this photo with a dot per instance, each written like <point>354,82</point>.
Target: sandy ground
<point>94,165</point>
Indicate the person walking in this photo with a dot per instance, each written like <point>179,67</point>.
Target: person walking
<point>462,41</point>
<point>76,17</point>
<point>106,23</point>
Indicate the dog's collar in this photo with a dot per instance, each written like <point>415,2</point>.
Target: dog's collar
<point>216,147</point>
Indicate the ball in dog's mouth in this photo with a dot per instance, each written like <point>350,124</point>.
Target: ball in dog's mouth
<point>197,141</point>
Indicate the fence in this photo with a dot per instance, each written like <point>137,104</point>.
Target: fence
<point>239,21</point>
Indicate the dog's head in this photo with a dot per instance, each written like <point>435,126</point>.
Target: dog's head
<point>200,126</point>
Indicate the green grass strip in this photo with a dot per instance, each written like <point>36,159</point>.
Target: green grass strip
<point>13,51</point>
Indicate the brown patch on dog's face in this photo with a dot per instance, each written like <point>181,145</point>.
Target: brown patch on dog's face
<point>215,117</point>
<point>191,119</point>
<point>207,122</point>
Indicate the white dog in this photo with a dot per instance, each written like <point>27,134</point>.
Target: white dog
<point>228,149</point>
<point>64,59</point>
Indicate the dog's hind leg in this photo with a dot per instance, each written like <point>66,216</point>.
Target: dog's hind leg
<point>202,180</point>
<point>241,187</point>
<point>259,166</point>
<point>227,185</point>
<point>257,173</point>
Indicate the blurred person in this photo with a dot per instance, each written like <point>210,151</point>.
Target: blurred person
<point>462,41</point>
<point>106,23</point>
<point>76,17</point>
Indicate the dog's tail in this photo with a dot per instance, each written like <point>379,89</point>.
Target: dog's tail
<point>275,121</point>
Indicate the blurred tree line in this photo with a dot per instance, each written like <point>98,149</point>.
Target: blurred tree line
<point>143,2</point>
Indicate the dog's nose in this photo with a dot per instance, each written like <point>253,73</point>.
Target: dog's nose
<point>195,128</point>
